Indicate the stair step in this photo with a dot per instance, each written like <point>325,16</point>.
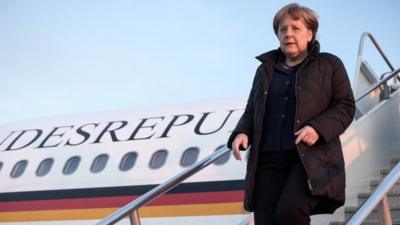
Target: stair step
<point>395,211</point>
<point>374,184</point>
<point>393,197</point>
<point>371,222</point>
<point>394,161</point>
<point>385,172</point>
<point>377,182</point>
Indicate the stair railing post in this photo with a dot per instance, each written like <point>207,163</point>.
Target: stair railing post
<point>384,214</point>
<point>134,217</point>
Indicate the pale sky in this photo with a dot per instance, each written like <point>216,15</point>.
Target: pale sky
<point>75,56</point>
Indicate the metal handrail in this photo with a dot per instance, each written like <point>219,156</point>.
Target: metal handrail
<point>377,46</point>
<point>131,208</point>
<point>384,80</point>
<point>378,197</point>
<point>360,53</point>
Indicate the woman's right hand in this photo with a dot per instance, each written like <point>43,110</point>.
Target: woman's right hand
<point>240,140</point>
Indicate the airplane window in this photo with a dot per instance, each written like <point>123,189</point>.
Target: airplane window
<point>158,159</point>
<point>99,163</point>
<point>44,167</point>
<point>190,156</point>
<point>71,165</point>
<point>224,158</point>
<point>1,165</point>
<point>128,161</point>
<point>19,168</point>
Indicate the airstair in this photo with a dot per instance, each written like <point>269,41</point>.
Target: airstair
<point>371,147</point>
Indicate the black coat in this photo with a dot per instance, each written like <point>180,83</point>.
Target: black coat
<point>325,101</point>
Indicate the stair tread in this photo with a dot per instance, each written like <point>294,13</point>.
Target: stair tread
<point>387,171</point>
<point>377,182</point>
<point>355,208</point>
<point>394,161</point>
<point>389,194</point>
<point>366,222</point>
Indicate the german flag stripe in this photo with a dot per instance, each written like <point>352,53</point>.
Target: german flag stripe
<point>146,212</point>
<point>188,199</point>
<point>111,202</point>
<point>211,186</point>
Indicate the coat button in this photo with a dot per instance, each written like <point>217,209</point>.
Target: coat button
<point>299,88</point>
<point>265,92</point>
<point>297,121</point>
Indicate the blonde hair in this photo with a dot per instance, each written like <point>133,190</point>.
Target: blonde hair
<point>296,12</point>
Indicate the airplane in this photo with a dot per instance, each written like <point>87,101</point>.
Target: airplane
<point>83,167</point>
<point>77,169</point>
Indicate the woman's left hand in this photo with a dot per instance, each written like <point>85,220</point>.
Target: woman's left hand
<point>308,135</point>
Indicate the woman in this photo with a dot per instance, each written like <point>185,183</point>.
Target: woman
<point>299,104</point>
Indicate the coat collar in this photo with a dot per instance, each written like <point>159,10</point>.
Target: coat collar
<point>277,55</point>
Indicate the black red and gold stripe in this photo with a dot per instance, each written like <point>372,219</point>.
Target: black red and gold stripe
<point>188,199</point>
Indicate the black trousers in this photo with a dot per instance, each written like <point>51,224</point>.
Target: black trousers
<point>281,193</point>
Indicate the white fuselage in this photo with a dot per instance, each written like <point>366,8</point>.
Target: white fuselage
<point>171,130</point>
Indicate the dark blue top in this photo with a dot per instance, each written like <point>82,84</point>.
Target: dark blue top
<point>278,127</point>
